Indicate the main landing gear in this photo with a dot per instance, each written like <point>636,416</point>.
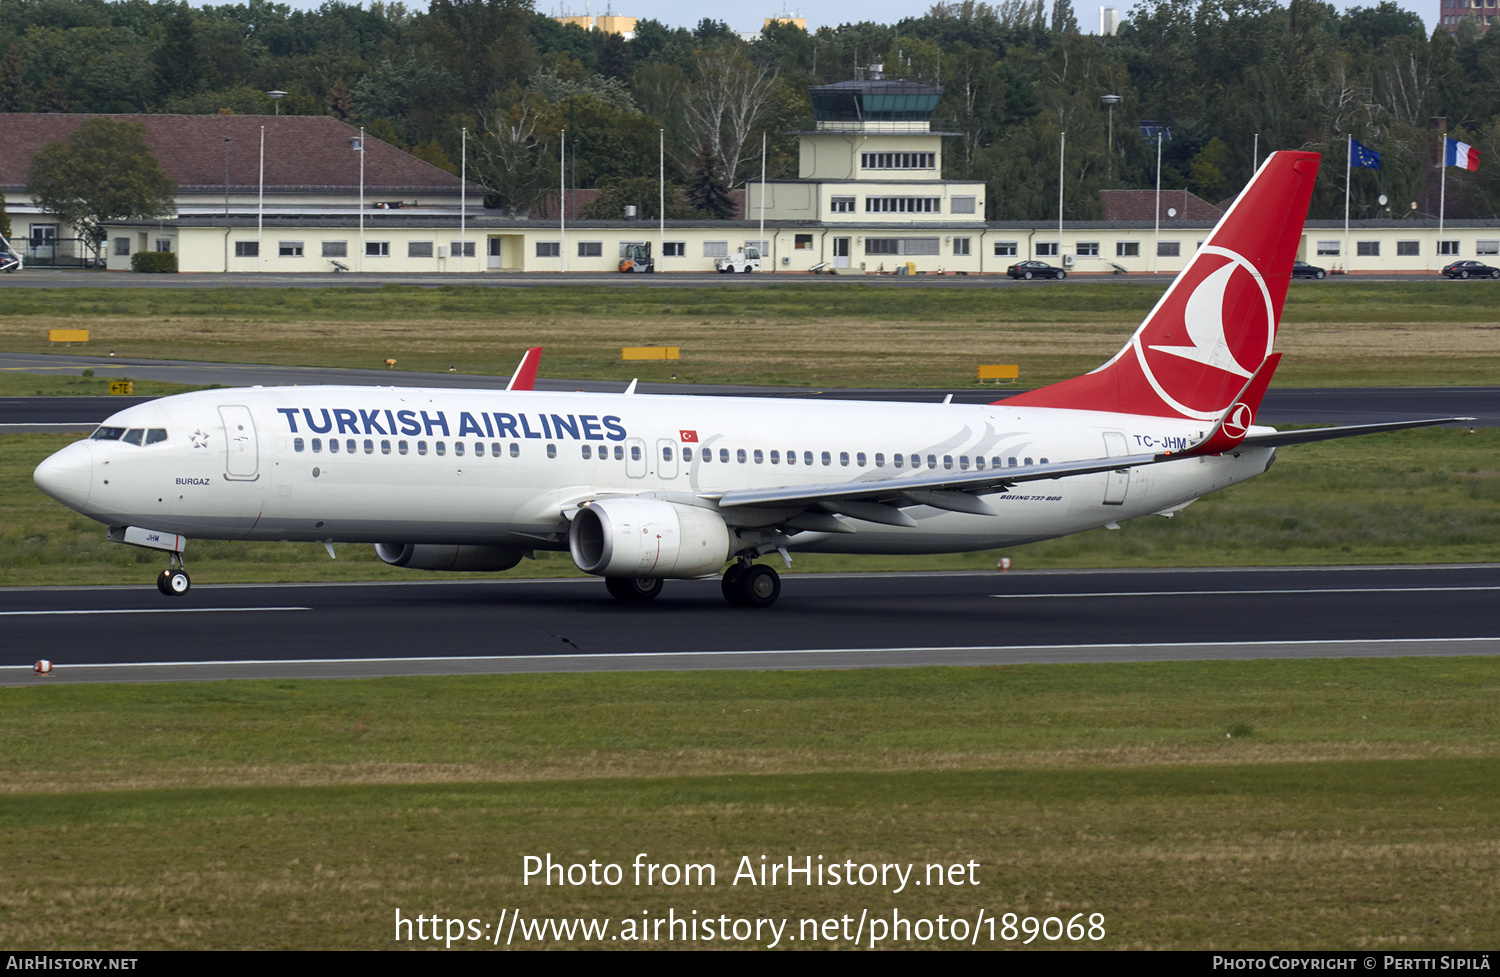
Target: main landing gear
<point>751,585</point>
<point>744,585</point>
<point>632,588</point>
<point>174,581</point>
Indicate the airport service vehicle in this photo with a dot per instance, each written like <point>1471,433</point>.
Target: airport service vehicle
<point>1301,269</point>
<point>744,260</point>
<point>640,489</point>
<point>1028,270</point>
<point>1470,269</point>
<point>637,259</point>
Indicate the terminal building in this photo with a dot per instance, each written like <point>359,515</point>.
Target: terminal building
<point>869,198</point>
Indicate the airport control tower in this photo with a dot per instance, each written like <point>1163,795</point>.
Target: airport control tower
<point>873,157</point>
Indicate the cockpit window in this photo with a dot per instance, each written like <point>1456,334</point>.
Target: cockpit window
<point>133,436</point>
<point>155,434</point>
<point>108,434</point>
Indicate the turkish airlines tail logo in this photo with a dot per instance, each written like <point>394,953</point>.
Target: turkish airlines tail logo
<point>1217,322</point>
<point>1208,335</point>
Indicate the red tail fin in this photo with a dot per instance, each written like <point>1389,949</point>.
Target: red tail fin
<point>1216,324</point>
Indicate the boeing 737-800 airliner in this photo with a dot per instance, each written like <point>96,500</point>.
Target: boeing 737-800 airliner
<point>645,488</point>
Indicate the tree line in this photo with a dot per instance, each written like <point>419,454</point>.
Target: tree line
<point>1230,80</point>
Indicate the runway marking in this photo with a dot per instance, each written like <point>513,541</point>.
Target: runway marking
<point>1238,593</point>
<point>779,651</point>
<point>154,610</point>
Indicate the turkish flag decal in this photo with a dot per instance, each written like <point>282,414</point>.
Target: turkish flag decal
<point>689,436</point>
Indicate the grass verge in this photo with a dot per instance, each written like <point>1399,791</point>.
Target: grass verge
<point>1287,804</point>
<point>1344,334</point>
<point>1429,496</point>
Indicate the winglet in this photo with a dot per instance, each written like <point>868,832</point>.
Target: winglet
<point>525,375</point>
<point>1235,422</point>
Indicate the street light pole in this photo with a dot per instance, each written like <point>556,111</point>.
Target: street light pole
<point>1110,101</point>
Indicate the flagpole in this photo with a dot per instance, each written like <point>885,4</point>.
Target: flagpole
<point>1156,258</point>
<point>1349,168</point>
<point>1062,146</point>
<point>361,198</point>
<point>463,198</point>
<point>661,207</point>
<point>562,202</point>
<point>260,207</point>
<point>1442,199</point>
<point>764,257</point>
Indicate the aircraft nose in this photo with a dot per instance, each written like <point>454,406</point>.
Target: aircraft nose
<point>67,475</point>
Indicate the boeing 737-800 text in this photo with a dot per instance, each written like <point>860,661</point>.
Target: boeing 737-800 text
<point>645,488</point>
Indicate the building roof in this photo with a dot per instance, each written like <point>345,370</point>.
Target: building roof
<point>308,153</point>
<point>1140,205</point>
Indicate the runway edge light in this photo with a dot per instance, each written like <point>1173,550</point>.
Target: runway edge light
<point>1003,564</point>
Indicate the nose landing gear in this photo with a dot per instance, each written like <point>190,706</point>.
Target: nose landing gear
<point>174,581</point>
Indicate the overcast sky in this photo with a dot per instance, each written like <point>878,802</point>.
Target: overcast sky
<point>826,13</point>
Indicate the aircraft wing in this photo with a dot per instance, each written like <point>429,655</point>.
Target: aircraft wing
<point>878,499</point>
<point>1278,438</point>
<point>944,489</point>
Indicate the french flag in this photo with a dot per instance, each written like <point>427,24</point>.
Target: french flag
<point>1462,154</point>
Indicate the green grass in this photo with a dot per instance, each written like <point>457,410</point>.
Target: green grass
<point>1334,334</point>
<point>1430,496</point>
<point>1350,806</point>
<point>1343,301</point>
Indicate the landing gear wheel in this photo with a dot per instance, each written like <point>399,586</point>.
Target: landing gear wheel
<point>731,584</point>
<point>757,586</point>
<point>173,583</point>
<point>632,588</point>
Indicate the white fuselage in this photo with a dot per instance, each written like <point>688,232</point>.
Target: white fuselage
<point>489,467</point>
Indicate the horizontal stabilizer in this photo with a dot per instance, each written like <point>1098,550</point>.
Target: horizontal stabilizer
<point>1279,438</point>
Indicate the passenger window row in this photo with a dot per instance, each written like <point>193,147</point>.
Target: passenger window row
<point>440,448</point>
<point>861,460</point>
<point>603,452</point>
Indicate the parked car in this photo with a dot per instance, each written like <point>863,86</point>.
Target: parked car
<point>1034,269</point>
<point>1471,269</point>
<point>1301,269</point>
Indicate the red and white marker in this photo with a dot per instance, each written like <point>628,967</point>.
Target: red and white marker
<point>43,667</point>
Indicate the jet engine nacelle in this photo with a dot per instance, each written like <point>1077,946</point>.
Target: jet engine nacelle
<point>632,537</point>
<point>439,556</point>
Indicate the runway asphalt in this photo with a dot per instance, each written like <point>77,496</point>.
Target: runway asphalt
<point>135,634</point>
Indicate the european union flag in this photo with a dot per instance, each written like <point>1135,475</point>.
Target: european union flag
<point>1362,155</point>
